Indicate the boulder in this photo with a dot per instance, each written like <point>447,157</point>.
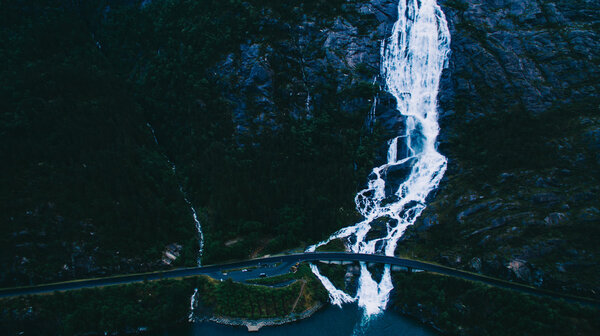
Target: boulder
<point>555,219</point>
<point>589,215</point>
<point>520,269</point>
<point>461,217</point>
<point>545,199</point>
<point>475,264</point>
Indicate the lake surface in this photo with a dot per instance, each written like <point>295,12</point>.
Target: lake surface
<point>330,321</point>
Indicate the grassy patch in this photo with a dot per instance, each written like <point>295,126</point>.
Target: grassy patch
<point>336,245</point>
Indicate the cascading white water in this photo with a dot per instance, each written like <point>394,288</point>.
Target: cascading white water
<point>187,201</point>
<point>412,62</point>
<point>193,300</point>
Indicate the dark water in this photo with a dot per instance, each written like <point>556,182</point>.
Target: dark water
<point>331,321</point>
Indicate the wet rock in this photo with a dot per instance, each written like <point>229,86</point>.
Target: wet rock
<point>510,49</point>
<point>546,182</point>
<point>396,174</point>
<point>465,199</point>
<point>461,217</point>
<point>384,10</point>
<point>589,215</point>
<point>555,219</point>
<point>504,177</point>
<point>545,199</point>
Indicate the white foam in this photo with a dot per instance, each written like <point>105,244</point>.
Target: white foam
<point>336,296</point>
<point>412,62</point>
<point>187,201</point>
<point>193,305</point>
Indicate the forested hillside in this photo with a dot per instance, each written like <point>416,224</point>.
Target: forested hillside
<point>274,114</point>
<point>253,101</point>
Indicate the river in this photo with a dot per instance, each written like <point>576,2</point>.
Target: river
<point>330,321</point>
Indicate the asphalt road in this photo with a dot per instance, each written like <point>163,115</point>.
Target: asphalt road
<point>281,264</point>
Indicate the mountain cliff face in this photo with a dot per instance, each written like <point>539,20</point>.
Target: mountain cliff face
<point>285,68</point>
<point>520,124</point>
<point>274,114</point>
<point>263,107</point>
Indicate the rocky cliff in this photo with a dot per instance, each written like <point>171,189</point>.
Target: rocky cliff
<point>281,104</point>
<point>520,124</point>
<point>288,67</point>
<point>266,108</point>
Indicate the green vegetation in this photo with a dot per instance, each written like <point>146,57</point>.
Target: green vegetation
<point>154,305</point>
<point>255,301</point>
<point>460,307</point>
<point>335,273</point>
<point>249,301</point>
<point>336,245</point>
<point>114,308</point>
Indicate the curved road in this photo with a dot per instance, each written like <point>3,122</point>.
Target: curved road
<point>281,264</point>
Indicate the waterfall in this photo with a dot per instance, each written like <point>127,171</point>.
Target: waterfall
<point>412,62</point>
<point>187,201</point>
<point>193,301</point>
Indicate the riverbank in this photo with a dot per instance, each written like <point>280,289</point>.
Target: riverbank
<point>329,320</point>
<point>256,325</point>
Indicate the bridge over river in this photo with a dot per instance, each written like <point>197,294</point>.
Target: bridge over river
<point>284,261</point>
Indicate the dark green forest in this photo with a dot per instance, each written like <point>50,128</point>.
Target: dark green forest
<point>86,190</point>
<point>460,307</point>
<point>154,305</point>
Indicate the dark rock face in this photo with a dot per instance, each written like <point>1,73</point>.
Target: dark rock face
<point>461,217</point>
<point>268,71</point>
<point>545,198</point>
<point>520,71</point>
<point>528,53</point>
<point>520,269</point>
<point>532,57</point>
<point>555,218</point>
